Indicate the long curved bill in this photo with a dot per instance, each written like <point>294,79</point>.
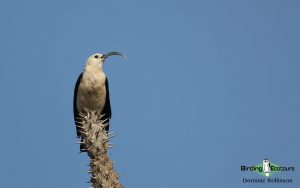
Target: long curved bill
<point>113,53</point>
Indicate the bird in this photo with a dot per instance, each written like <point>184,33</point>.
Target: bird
<point>266,167</point>
<point>92,92</point>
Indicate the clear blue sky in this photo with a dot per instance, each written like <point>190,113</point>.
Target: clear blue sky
<point>208,86</point>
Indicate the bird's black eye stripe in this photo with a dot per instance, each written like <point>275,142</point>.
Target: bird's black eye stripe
<point>96,56</point>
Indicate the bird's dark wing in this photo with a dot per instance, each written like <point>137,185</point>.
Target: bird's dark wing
<point>106,112</point>
<point>77,118</point>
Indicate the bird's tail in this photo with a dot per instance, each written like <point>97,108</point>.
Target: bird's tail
<point>82,146</point>
<point>79,131</point>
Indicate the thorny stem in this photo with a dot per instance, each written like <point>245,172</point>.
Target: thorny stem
<point>96,139</point>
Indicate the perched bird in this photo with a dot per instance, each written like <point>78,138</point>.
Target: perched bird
<point>266,167</point>
<point>91,92</point>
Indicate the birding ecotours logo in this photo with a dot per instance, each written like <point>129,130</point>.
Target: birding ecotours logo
<point>267,168</point>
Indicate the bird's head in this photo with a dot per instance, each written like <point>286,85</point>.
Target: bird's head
<point>97,60</point>
<point>266,161</point>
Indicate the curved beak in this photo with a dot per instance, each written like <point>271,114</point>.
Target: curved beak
<point>113,53</point>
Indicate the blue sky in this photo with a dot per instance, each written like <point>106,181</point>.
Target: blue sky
<point>208,86</point>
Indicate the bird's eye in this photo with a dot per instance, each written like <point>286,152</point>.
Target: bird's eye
<point>96,56</point>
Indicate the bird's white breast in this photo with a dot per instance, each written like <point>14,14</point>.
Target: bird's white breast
<point>91,91</point>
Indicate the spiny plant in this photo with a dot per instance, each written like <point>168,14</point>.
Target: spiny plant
<point>96,142</point>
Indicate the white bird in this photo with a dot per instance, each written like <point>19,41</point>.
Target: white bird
<point>91,92</point>
<point>266,167</point>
